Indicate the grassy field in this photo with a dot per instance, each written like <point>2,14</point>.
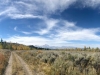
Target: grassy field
<point>4,58</point>
<point>51,62</point>
<point>62,62</point>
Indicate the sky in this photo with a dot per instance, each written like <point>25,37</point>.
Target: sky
<point>73,23</point>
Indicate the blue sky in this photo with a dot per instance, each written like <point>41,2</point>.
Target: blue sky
<point>53,22</point>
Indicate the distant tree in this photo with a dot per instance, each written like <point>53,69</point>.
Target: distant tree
<point>97,49</point>
<point>89,47</point>
<point>1,40</point>
<point>14,46</point>
<point>85,48</point>
<point>1,46</point>
<point>4,45</point>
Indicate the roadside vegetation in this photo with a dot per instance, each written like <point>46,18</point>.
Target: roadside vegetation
<point>63,62</point>
<point>75,61</point>
<point>4,58</point>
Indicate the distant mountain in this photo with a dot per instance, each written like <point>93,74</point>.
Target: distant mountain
<point>38,47</point>
<point>55,47</point>
<point>17,46</point>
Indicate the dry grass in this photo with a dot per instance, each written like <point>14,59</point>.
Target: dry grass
<point>17,68</point>
<point>62,62</point>
<point>4,57</point>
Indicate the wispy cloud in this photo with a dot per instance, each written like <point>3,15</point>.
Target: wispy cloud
<point>28,40</point>
<point>49,23</point>
<point>8,10</point>
<point>38,8</point>
<point>60,35</point>
<point>91,3</point>
<point>29,26</point>
<point>68,31</point>
<point>38,40</point>
<point>15,28</point>
<point>51,6</point>
<point>79,34</point>
<point>32,8</point>
<point>27,33</point>
<point>21,16</point>
<point>60,32</point>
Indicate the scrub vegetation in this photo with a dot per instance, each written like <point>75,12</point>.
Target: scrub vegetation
<point>4,58</point>
<point>62,62</point>
<point>35,61</point>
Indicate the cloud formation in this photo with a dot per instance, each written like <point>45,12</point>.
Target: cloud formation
<point>37,8</point>
<point>58,31</point>
<point>49,23</point>
<point>91,3</point>
<point>27,33</point>
<point>60,35</point>
<point>15,28</point>
<point>69,31</point>
<point>35,40</point>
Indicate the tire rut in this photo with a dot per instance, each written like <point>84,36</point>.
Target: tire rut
<point>17,67</point>
<point>24,65</point>
<point>8,70</point>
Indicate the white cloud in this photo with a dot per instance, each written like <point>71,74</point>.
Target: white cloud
<point>60,35</point>
<point>68,24</point>
<point>17,16</point>
<point>24,32</point>
<point>37,8</point>
<point>32,8</point>
<point>15,28</point>
<point>50,6</point>
<point>92,3</point>
<point>34,40</point>
<point>27,40</point>
<point>49,23</point>
<point>69,31</point>
<point>8,10</point>
<point>82,35</point>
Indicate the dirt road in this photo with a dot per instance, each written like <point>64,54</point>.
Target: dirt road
<point>17,66</point>
<point>9,67</point>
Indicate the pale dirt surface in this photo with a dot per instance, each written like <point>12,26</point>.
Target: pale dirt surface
<point>17,68</point>
<point>9,67</point>
<point>24,65</point>
<point>19,62</point>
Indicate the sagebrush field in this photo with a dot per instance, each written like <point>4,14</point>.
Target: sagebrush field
<point>62,62</point>
<point>4,58</point>
<point>49,62</point>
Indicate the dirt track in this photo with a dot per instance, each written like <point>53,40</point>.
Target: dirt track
<point>17,66</point>
<point>9,67</point>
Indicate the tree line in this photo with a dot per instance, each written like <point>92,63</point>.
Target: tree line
<point>16,46</point>
<point>12,46</point>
